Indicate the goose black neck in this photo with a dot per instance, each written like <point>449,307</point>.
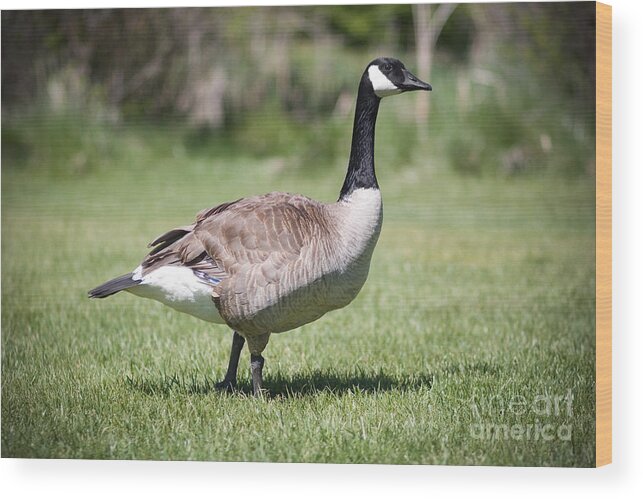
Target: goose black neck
<point>361,165</point>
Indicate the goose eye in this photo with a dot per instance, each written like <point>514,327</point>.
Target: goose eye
<point>387,67</point>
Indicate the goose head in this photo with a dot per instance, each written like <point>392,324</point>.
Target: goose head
<point>388,76</point>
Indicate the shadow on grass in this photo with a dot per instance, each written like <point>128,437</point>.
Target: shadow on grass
<point>279,385</point>
<point>339,382</point>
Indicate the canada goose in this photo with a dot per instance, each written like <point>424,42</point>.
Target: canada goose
<point>271,263</point>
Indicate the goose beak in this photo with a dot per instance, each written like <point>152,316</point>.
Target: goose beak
<point>412,82</point>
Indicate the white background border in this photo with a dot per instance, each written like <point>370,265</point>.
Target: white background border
<point>108,479</point>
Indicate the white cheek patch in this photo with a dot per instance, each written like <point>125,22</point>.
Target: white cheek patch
<point>381,84</point>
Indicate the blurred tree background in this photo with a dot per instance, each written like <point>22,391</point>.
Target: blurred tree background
<point>513,84</point>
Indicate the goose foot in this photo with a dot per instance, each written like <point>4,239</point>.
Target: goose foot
<point>229,382</point>
<point>227,385</point>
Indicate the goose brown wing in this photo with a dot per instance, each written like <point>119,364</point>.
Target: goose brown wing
<point>181,247</point>
<point>187,251</point>
<point>264,241</point>
<point>251,239</point>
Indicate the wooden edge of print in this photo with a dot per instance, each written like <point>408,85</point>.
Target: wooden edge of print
<point>603,234</point>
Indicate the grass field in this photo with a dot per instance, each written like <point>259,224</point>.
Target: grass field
<point>471,343</point>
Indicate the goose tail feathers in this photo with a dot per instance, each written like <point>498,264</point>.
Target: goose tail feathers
<point>114,286</point>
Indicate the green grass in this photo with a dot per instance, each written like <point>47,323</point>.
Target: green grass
<point>481,294</point>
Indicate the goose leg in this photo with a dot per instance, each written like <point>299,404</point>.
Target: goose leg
<point>230,381</point>
<point>256,368</point>
<point>256,345</point>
